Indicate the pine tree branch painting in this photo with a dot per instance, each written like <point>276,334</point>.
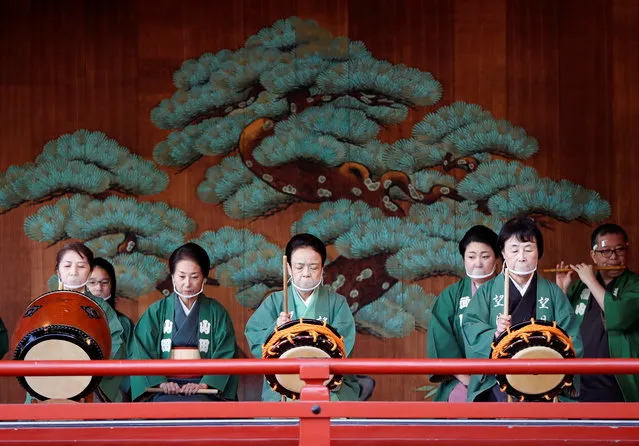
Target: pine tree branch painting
<point>296,116</point>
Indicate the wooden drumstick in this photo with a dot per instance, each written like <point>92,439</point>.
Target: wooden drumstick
<point>507,304</point>
<point>596,268</point>
<point>285,284</point>
<point>285,295</point>
<point>200,391</point>
<point>506,292</point>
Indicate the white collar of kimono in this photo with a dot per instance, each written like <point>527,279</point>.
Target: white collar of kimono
<point>187,310</point>
<point>308,301</point>
<point>522,289</point>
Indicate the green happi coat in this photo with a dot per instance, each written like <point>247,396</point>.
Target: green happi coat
<point>621,319</point>
<point>110,385</point>
<point>152,340</point>
<point>445,339</point>
<point>4,340</point>
<point>127,335</point>
<point>480,322</point>
<point>324,304</point>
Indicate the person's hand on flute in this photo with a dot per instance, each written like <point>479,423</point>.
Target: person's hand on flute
<point>563,278</point>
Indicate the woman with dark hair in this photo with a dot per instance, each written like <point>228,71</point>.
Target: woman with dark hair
<point>73,266</point>
<point>479,252</point>
<point>185,325</point>
<point>307,298</point>
<point>103,284</point>
<point>530,296</point>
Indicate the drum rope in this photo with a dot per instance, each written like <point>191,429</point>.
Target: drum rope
<point>524,332</point>
<point>290,332</point>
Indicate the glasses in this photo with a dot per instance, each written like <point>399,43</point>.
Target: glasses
<point>104,282</point>
<point>607,253</point>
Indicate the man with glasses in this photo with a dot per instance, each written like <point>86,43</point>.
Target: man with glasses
<point>607,304</point>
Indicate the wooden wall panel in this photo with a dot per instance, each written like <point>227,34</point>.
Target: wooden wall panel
<point>565,71</point>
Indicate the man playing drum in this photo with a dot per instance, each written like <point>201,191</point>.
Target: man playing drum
<point>310,299</point>
<point>607,307</point>
<point>531,296</point>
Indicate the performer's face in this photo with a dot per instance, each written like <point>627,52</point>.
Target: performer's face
<point>99,283</point>
<point>520,255</point>
<point>479,259</point>
<point>305,267</point>
<point>611,250</point>
<point>73,269</point>
<point>188,277</point>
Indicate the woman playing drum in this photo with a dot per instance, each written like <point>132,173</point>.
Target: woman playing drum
<point>479,251</point>
<point>309,299</point>
<point>73,267</point>
<point>530,297</point>
<point>185,325</point>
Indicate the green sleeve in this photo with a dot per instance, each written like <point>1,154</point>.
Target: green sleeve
<point>566,319</point>
<point>224,346</point>
<point>4,340</point>
<point>145,344</point>
<point>442,342</point>
<point>622,314</point>
<point>342,320</point>
<point>127,325</point>
<point>110,385</point>
<point>344,323</point>
<point>261,324</point>
<point>127,335</point>
<point>477,326</point>
<point>573,293</point>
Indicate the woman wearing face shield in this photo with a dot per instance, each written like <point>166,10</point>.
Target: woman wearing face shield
<point>73,266</point>
<point>531,296</point>
<point>185,325</point>
<point>307,298</point>
<point>479,251</point>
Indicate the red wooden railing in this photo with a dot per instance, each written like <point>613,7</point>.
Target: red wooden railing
<point>315,412</point>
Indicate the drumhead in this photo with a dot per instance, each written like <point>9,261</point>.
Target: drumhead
<point>58,387</point>
<point>536,384</point>
<point>293,382</point>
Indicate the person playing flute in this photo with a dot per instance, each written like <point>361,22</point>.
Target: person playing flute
<point>606,304</point>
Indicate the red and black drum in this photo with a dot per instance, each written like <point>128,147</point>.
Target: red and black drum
<point>534,339</point>
<point>302,339</point>
<point>61,325</point>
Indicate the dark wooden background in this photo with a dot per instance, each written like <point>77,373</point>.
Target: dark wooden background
<point>567,71</point>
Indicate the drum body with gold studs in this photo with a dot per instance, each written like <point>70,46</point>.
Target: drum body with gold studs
<point>534,339</point>
<point>302,339</point>
<point>61,325</point>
